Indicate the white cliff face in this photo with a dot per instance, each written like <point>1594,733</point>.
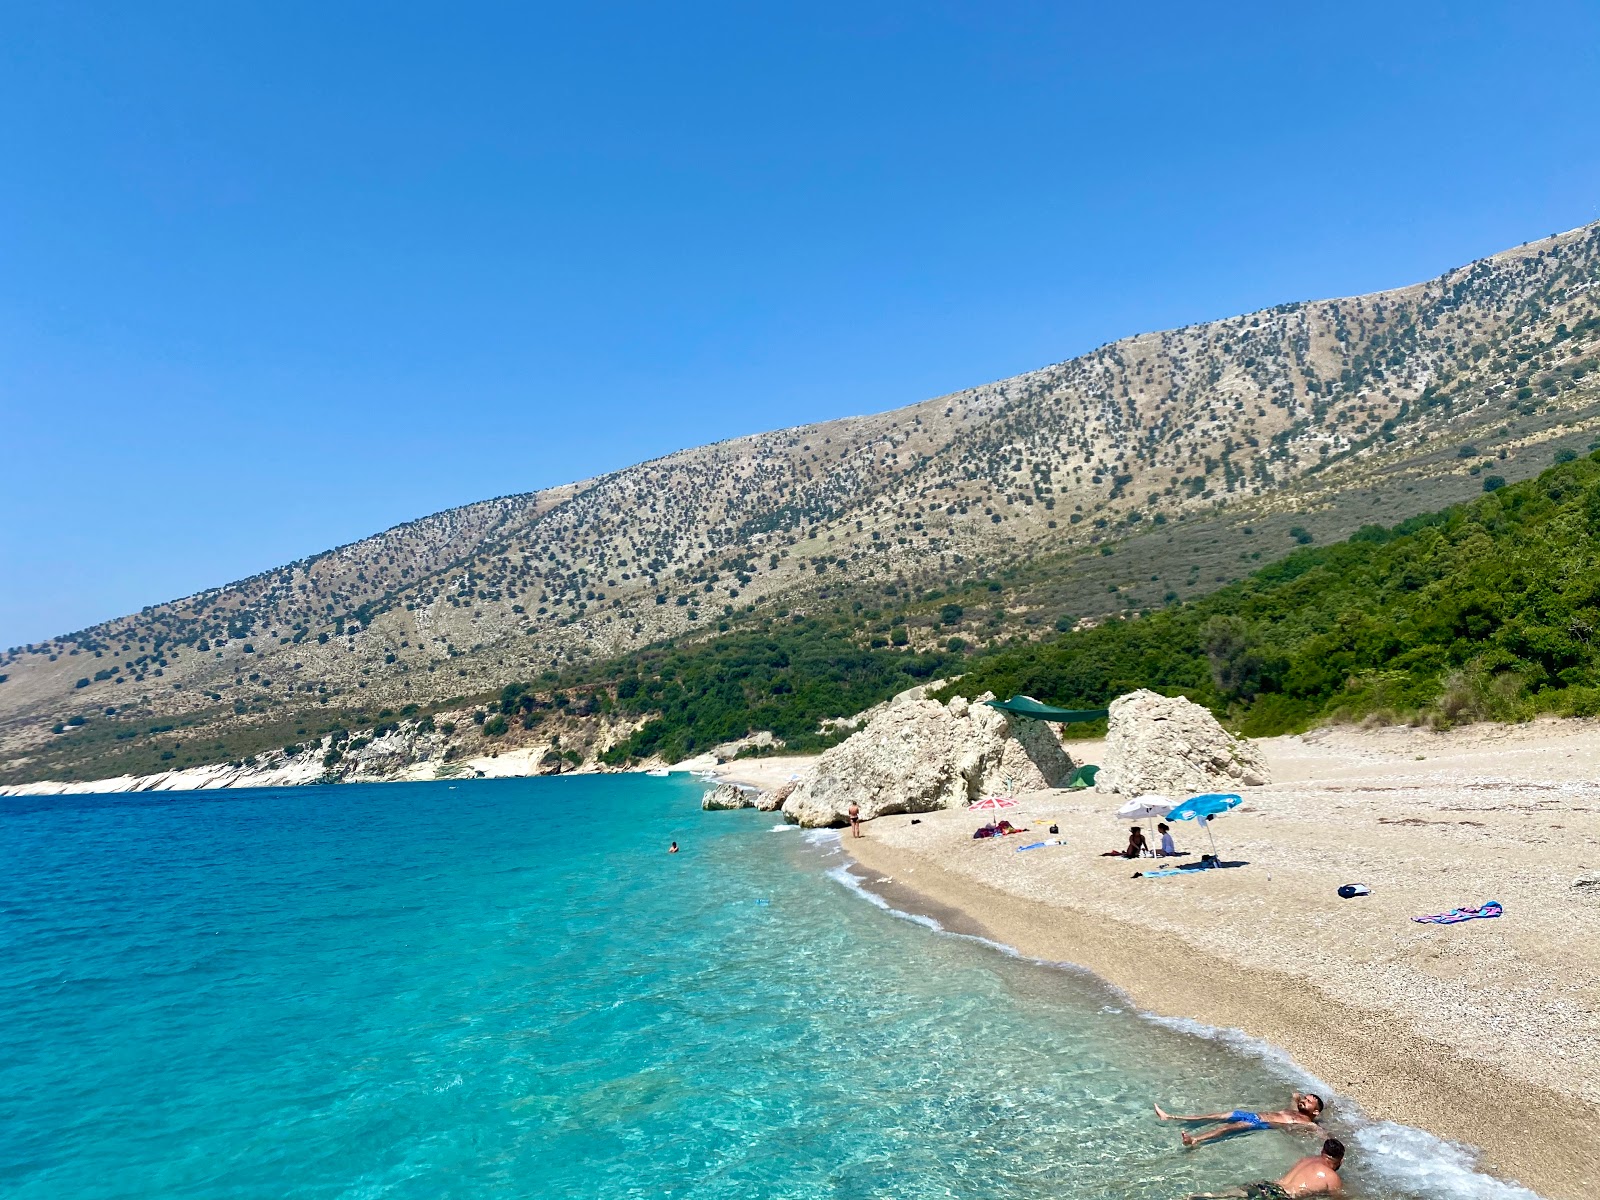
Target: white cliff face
<point>1174,747</point>
<point>284,772</point>
<point>922,755</point>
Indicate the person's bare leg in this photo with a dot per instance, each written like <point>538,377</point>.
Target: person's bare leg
<point>1166,1116</point>
<point>1221,1131</point>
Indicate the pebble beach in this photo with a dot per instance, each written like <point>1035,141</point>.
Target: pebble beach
<point>1485,1033</point>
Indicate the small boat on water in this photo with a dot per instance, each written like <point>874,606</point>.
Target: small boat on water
<point>658,772</point>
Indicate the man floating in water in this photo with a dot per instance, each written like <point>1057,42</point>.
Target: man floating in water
<point>1316,1175</point>
<point>1302,1113</point>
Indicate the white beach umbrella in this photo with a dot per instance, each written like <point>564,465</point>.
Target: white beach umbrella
<point>1146,808</point>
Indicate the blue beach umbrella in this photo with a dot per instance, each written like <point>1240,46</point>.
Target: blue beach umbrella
<point>1200,808</point>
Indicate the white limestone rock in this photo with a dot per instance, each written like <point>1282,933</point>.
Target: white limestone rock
<point>728,795</point>
<point>771,799</point>
<point>921,755</point>
<point>1174,747</point>
<point>762,740</point>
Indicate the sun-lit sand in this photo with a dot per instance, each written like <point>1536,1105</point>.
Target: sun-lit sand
<point>764,772</point>
<point>1486,1032</point>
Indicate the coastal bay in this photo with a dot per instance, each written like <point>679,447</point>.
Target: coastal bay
<point>1486,1032</point>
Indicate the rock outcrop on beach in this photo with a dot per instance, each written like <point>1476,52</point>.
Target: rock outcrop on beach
<point>728,795</point>
<point>923,755</point>
<point>771,799</point>
<point>1172,746</point>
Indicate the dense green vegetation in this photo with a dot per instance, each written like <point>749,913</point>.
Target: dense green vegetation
<point>1487,610</point>
<point>786,677</point>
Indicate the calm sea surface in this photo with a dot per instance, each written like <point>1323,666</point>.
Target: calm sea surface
<point>508,989</point>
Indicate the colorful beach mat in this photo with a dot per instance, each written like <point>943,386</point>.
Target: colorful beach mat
<point>1489,908</point>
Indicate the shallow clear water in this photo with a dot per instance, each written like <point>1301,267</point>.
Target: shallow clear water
<point>507,988</point>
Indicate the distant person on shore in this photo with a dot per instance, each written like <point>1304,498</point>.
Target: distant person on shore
<point>1305,1108</point>
<point>672,849</point>
<point>855,819</point>
<point>1168,849</point>
<point>1136,846</point>
<point>1316,1175</point>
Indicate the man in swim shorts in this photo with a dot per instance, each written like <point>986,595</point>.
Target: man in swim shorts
<point>1316,1175</point>
<point>1303,1111</point>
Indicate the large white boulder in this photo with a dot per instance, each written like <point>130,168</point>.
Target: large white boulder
<point>771,799</point>
<point>921,755</point>
<point>1173,746</point>
<point>728,795</point>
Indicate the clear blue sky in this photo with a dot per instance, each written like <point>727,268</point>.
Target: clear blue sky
<point>275,276</point>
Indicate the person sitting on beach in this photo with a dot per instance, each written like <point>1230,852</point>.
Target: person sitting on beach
<point>1315,1175</point>
<point>1303,1112</point>
<point>1136,846</point>
<point>1168,849</point>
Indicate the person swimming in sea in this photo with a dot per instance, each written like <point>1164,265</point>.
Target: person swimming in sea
<point>1305,1108</point>
<point>1314,1175</point>
<point>672,849</point>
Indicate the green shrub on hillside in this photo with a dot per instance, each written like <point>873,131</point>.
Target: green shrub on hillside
<point>785,678</point>
<point>1485,610</point>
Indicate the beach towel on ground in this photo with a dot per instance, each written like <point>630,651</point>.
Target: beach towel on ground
<point>1489,908</point>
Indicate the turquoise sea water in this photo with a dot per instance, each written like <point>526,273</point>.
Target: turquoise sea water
<point>508,989</point>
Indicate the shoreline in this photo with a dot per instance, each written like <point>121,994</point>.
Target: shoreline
<point>1543,1150</point>
<point>1416,1025</point>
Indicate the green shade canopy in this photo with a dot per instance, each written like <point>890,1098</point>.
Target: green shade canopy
<point>1027,706</point>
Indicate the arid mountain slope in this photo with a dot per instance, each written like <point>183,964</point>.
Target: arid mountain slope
<point>1287,410</point>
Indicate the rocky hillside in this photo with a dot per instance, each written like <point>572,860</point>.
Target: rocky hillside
<point>1401,399</point>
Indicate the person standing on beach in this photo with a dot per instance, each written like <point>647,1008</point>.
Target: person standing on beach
<point>855,819</point>
<point>1303,1112</point>
<point>1315,1175</point>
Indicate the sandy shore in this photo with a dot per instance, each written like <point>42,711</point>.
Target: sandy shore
<point>763,772</point>
<point>1486,1033</point>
